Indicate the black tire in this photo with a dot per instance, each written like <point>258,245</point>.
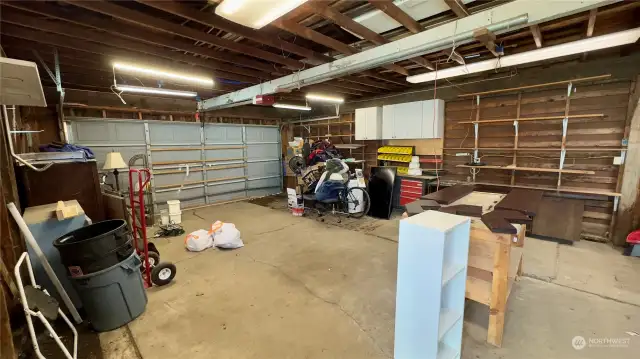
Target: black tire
<point>154,258</point>
<point>163,273</point>
<point>352,198</point>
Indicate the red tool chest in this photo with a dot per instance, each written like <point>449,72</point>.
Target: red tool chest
<point>410,190</point>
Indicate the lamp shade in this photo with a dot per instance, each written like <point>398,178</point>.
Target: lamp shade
<point>114,161</point>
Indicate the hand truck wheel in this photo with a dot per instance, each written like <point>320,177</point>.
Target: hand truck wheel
<point>163,273</point>
<point>154,258</point>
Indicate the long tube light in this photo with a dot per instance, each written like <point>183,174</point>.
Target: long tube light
<point>545,53</point>
<point>324,98</point>
<point>155,91</point>
<point>162,74</point>
<point>292,107</point>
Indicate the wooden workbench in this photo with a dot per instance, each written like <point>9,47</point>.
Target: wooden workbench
<point>495,263</point>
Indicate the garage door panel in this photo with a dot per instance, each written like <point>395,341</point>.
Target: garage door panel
<point>262,134</point>
<point>103,132</point>
<point>225,187</point>
<point>262,169</point>
<point>176,178</point>
<point>187,196</point>
<point>266,151</point>
<point>177,133</point>
<point>226,197</point>
<point>167,156</point>
<point>214,133</point>
<point>261,192</point>
<point>231,153</point>
<point>264,183</point>
<point>233,172</point>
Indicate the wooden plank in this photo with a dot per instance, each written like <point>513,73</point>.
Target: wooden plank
<point>543,118</point>
<point>463,210</point>
<point>561,189</point>
<point>534,149</point>
<point>213,168</point>
<point>530,169</point>
<point>564,82</point>
<point>481,254</point>
<point>497,224</point>
<point>188,183</point>
<point>450,194</point>
<point>537,35</point>
<point>559,218</point>
<point>6,337</point>
<point>499,294</point>
<point>515,140</point>
<point>183,162</point>
<point>487,38</point>
<point>458,8</point>
<point>522,200</point>
<point>394,12</point>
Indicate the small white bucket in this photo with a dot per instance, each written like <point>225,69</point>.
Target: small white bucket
<point>164,217</point>
<point>175,218</point>
<point>174,206</point>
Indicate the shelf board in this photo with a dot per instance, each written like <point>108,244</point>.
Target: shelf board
<point>446,352</point>
<point>543,118</point>
<point>451,271</point>
<point>553,189</point>
<point>448,318</point>
<point>529,169</point>
<point>348,146</point>
<point>585,149</point>
<point>330,135</point>
<point>324,124</point>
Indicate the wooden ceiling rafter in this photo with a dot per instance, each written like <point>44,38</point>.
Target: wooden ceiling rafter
<point>537,35</point>
<point>397,14</point>
<point>84,33</point>
<point>458,7</point>
<point>360,30</point>
<point>213,20</point>
<point>142,19</point>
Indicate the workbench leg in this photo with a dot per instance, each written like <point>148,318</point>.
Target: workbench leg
<point>499,289</point>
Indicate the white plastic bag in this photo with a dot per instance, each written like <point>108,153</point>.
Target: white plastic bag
<point>198,240</point>
<point>226,235</point>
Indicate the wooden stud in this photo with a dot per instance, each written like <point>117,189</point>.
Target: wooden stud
<point>487,38</point>
<point>592,22</point>
<point>458,8</point>
<point>564,133</point>
<point>515,139</point>
<point>499,294</point>
<point>394,12</point>
<point>139,115</point>
<point>104,114</point>
<point>537,35</point>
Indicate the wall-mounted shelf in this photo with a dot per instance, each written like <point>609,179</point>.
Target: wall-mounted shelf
<point>348,146</point>
<point>544,118</point>
<point>529,169</point>
<point>535,149</point>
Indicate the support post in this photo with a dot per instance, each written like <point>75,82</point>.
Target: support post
<point>565,123</point>
<point>515,139</point>
<point>499,293</point>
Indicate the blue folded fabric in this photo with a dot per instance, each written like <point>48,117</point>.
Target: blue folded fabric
<point>329,190</point>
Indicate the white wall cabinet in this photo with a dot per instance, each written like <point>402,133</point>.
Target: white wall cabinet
<point>413,120</point>
<point>369,123</point>
<point>433,249</point>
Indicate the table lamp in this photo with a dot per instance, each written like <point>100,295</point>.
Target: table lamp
<point>113,162</point>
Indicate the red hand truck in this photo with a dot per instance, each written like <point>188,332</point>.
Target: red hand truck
<point>155,272</point>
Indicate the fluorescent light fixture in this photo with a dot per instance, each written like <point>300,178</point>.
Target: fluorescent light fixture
<point>256,13</point>
<point>155,91</point>
<point>318,97</point>
<point>292,107</point>
<point>162,74</point>
<point>545,53</point>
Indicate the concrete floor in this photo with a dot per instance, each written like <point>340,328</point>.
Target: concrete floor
<point>304,289</point>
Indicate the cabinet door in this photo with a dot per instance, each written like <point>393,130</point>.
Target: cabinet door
<point>433,120</point>
<point>411,121</point>
<point>388,122</point>
<point>374,121</point>
<point>361,124</point>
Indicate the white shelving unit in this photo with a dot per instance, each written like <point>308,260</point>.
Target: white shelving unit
<point>432,272</point>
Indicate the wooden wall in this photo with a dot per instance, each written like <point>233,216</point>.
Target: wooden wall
<point>542,138</point>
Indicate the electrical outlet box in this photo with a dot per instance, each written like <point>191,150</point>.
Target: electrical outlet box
<point>476,160</point>
<point>617,160</point>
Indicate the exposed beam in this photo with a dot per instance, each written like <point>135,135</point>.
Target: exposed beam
<point>507,17</point>
<point>394,12</point>
<point>312,35</point>
<point>537,35</point>
<point>213,20</point>
<point>142,19</point>
<point>56,12</point>
<point>348,23</point>
<point>368,82</point>
<point>113,53</point>
<point>83,33</point>
<point>592,22</point>
<point>487,38</point>
<point>457,7</point>
<point>352,86</point>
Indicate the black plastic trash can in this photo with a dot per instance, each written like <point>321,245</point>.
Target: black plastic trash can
<point>95,247</point>
<point>113,296</point>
